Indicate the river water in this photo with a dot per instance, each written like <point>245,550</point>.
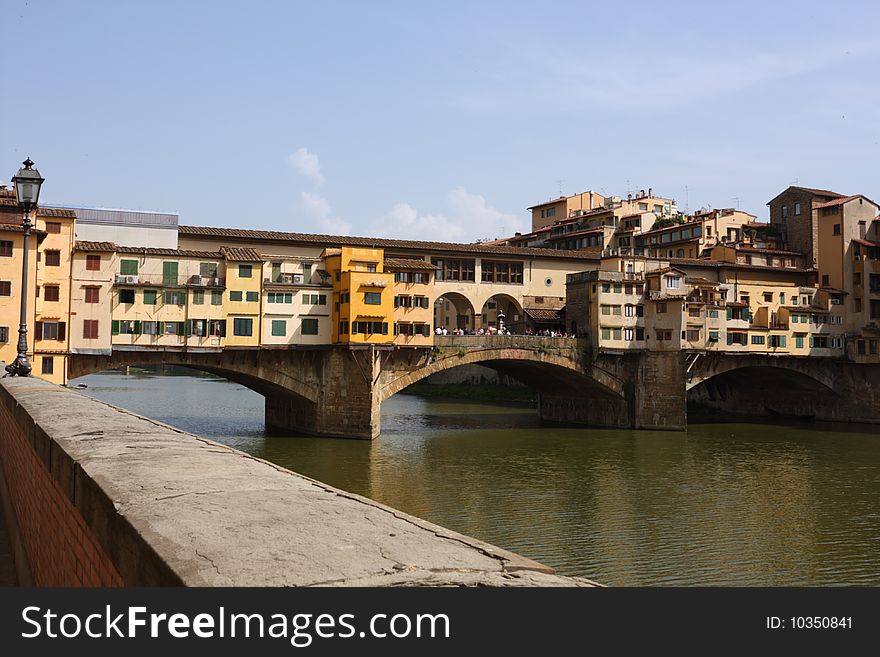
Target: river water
<point>720,504</point>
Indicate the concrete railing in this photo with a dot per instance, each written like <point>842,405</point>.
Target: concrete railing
<point>100,496</point>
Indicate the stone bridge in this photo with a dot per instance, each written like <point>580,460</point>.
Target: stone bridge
<point>338,391</point>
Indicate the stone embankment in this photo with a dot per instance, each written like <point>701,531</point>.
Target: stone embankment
<point>102,497</point>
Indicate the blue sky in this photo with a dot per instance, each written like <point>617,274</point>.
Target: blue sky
<point>435,120</point>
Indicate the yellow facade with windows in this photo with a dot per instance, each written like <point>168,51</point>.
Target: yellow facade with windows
<point>413,294</point>
<point>53,299</point>
<point>364,293</point>
<point>242,300</point>
<point>11,243</point>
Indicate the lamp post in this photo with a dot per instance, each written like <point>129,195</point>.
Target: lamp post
<point>27,193</point>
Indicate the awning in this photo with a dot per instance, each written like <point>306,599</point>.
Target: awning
<point>545,314</point>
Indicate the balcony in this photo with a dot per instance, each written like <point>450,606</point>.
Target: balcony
<point>160,280</point>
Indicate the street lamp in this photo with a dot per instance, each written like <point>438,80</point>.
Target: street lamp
<point>501,317</point>
<point>27,193</point>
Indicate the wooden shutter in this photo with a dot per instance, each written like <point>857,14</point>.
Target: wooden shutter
<point>114,327</point>
<point>61,330</point>
<point>38,331</point>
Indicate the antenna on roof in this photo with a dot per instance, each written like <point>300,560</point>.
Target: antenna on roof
<point>628,190</point>
<point>560,181</point>
<point>795,181</point>
<point>687,209</point>
<point>736,199</point>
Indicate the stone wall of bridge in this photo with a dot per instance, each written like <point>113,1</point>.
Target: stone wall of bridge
<point>99,496</point>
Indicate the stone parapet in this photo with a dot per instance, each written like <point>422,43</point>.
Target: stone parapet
<point>105,497</point>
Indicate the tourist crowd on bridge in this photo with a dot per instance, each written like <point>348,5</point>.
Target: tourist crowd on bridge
<point>491,330</point>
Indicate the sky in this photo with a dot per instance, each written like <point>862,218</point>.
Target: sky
<point>441,120</point>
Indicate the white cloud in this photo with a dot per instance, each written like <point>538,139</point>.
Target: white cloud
<point>468,218</point>
<point>307,164</point>
<point>318,209</point>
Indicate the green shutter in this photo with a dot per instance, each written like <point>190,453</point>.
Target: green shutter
<point>137,327</point>
<point>128,267</point>
<point>279,328</point>
<point>150,297</point>
<point>114,327</point>
<point>730,313</point>
<point>169,272</point>
<point>160,328</point>
<point>781,340</point>
<point>384,328</point>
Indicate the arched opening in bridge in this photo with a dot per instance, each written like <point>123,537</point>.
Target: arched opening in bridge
<point>454,311</point>
<point>503,312</point>
<point>759,391</point>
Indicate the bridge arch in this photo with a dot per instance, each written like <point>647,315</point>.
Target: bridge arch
<point>495,305</point>
<point>269,373</point>
<point>453,310</point>
<point>541,368</point>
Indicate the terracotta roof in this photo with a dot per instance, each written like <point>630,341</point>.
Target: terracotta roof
<point>865,242</point>
<point>845,199</point>
<point>833,290</point>
<point>382,242</point>
<point>538,205</point>
<point>663,270</point>
<point>545,314</point>
<point>407,264</point>
<point>241,254</point>
<point>94,246</point>
<point>65,213</point>
<point>181,253</point>
<point>16,228</point>
<point>699,280</point>
<point>737,265</point>
<point>818,192</point>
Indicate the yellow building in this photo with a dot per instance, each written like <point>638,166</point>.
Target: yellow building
<point>53,303</point>
<point>297,294</point>
<point>364,294</point>
<point>167,298</point>
<point>242,304</point>
<point>413,300</point>
<point>11,243</point>
<point>93,271</point>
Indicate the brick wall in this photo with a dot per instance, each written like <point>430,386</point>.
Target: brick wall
<point>61,550</point>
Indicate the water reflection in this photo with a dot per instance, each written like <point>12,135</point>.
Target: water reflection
<point>727,504</point>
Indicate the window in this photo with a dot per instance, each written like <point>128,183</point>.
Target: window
<point>860,347</point>
<point>128,267</point>
<point>784,211</point>
<point>373,298</point>
<point>235,295</point>
<point>253,296</point>
<point>713,336</point>
<point>782,298</point>
<point>371,267</point>
<point>217,327</point>
<point>758,339</point>
<point>243,326</point>
<point>692,335</point>
<point>208,269</point>
<point>173,328</point>
<point>175,298</point>
<point>606,287</point>
<point>92,294</point>
<point>198,297</point>
<point>872,346</point>
<point>197,327</point>
<point>799,340</point>
<point>53,227</point>
<point>126,296</point>
<point>245,271</point>
<point>768,297</point>
<point>6,248</point>
<point>93,263</point>
<point>631,310</point>
<point>4,334</point>
<point>280,297</point>
<point>693,311</point>
<point>606,310</point>
<point>629,334</point>
<point>367,328</point>
<point>151,297</point>
<point>150,328</point>
<point>673,282</point>
<point>279,328</point>
<point>307,272</point>
<point>310,326</point>
<point>825,279</point>
<point>169,272</point>
<point>48,365</point>
<point>216,297</point>
<point>502,272</point>
<point>50,293</point>
<point>321,299</point>
<point>454,269</point>
<point>661,307</point>
<point>713,314</point>
<point>736,338</point>
<point>49,330</point>
<point>797,208</point>
<point>836,229</point>
<point>776,341</point>
<point>53,258</point>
